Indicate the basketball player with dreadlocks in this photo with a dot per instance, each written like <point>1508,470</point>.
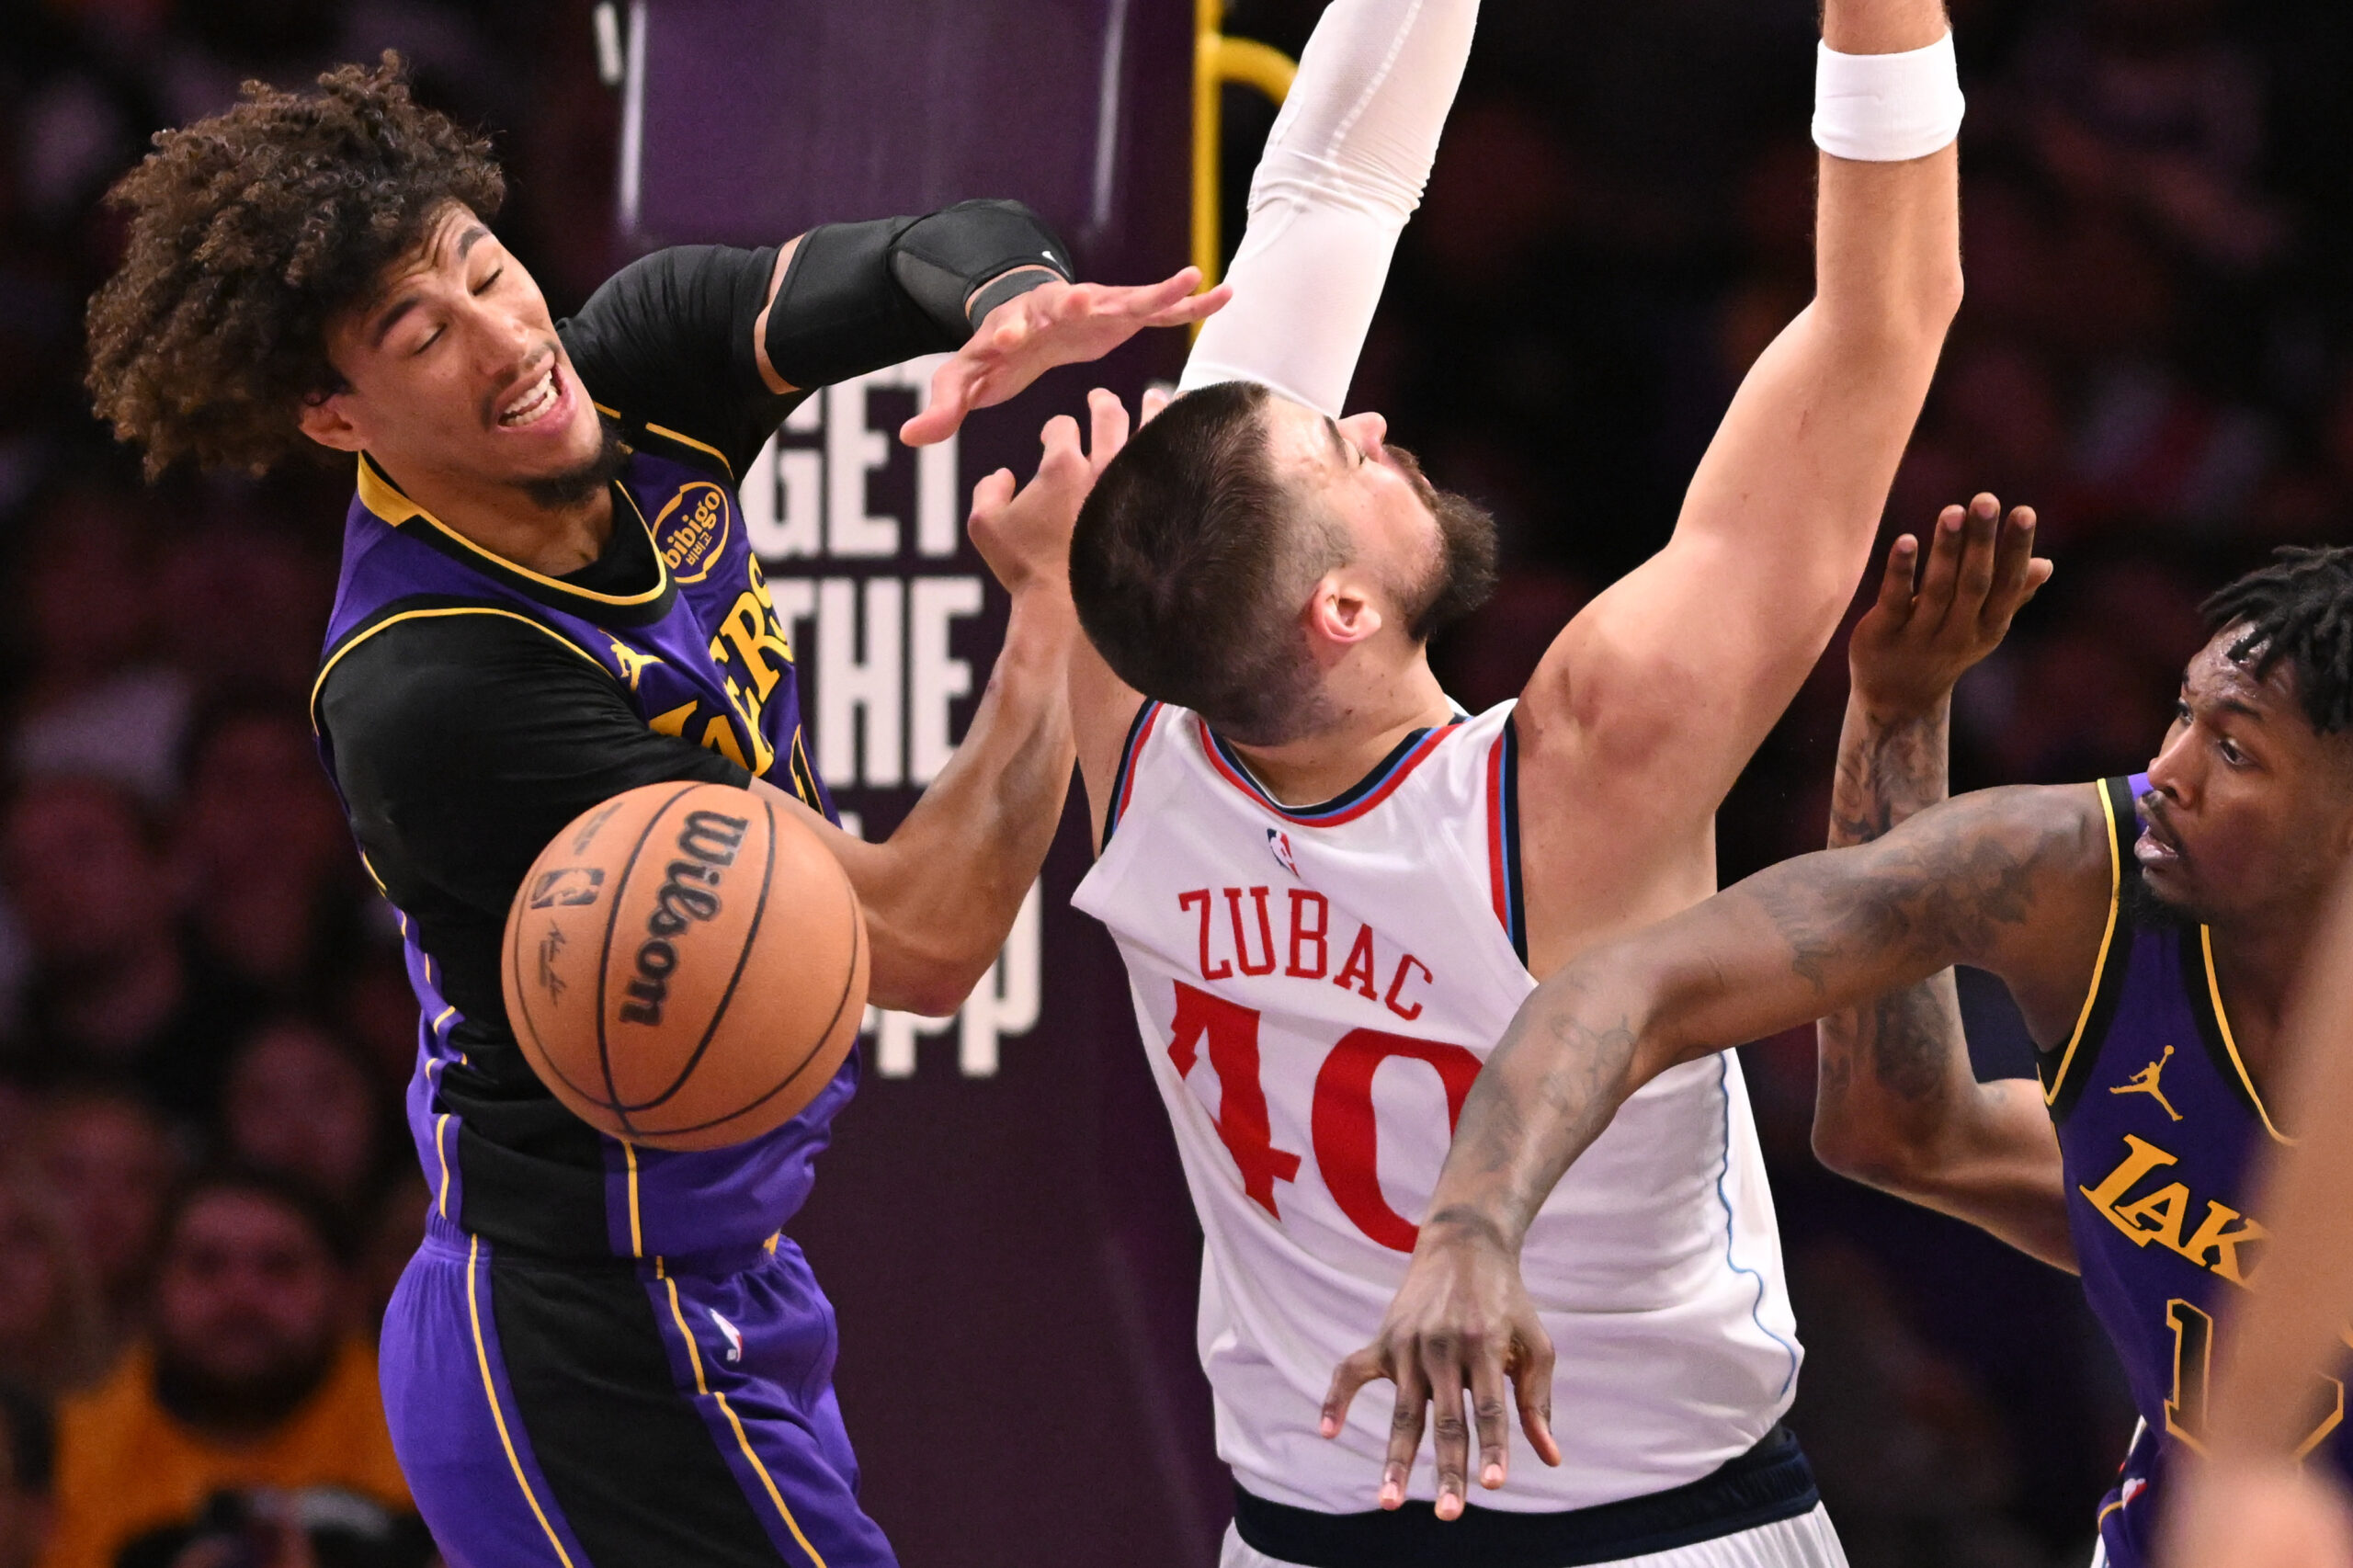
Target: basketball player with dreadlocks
<point>2151,929</point>
<point>601,1354</point>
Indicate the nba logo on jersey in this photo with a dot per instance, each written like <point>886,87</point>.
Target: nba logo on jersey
<point>1279,841</point>
<point>735,1335</point>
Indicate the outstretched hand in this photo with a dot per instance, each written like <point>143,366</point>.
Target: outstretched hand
<point>1024,536</point>
<point>1917,639</point>
<point>1054,323</point>
<point>1462,1320</point>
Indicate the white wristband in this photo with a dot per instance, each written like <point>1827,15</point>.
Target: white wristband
<point>1885,109</point>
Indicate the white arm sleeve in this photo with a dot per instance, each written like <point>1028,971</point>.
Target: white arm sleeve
<point>1344,169</point>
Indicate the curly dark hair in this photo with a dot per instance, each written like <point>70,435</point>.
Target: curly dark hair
<point>249,231</point>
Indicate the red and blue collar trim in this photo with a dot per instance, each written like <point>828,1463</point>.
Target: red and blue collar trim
<point>1350,804</point>
<point>1123,782</point>
<point>1503,836</point>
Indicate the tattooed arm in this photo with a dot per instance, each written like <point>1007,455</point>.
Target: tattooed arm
<point>2011,881</point>
<point>1897,1104</point>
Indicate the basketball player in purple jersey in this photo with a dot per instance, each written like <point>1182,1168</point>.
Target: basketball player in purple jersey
<point>602,1355</point>
<point>2150,929</point>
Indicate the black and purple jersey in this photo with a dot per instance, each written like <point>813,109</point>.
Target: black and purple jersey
<point>2158,1120</point>
<point>605,1354</point>
<point>697,651</point>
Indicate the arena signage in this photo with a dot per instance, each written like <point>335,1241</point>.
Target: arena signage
<point>863,540</point>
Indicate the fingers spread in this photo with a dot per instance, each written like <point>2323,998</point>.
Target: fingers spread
<point>2013,580</point>
<point>1531,1379</point>
<point>1364,1367</point>
<point>1442,1365</point>
<point>1062,462</point>
<point>1978,553</point>
<point>1108,417</point>
<point>944,409</point>
<point>1154,399</point>
<point>1895,580</point>
<point>1192,308</point>
<point>1490,1415</point>
<point>1404,1434</point>
<point>1060,436</point>
<point>991,495</point>
<point>1942,571</point>
<point>1150,299</point>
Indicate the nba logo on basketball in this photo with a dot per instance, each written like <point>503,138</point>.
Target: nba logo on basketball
<point>1279,841</point>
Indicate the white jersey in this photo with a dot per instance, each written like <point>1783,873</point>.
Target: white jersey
<point>1316,989</point>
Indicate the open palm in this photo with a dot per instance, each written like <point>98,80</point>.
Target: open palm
<point>1054,323</point>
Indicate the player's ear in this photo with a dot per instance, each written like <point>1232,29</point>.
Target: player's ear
<point>327,421</point>
<point>1340,612</point>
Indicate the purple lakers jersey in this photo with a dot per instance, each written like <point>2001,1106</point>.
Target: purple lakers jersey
<point>699,653</point>
<point>2158,1120</point>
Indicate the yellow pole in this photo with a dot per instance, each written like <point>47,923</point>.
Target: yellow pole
<point>1209,17</point>
<point>1218,60</point>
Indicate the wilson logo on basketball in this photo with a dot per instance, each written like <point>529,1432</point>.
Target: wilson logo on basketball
<point>708,845</point>
<point>711,987</point>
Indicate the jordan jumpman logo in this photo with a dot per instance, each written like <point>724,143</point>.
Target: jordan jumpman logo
<point>2145,1082</point>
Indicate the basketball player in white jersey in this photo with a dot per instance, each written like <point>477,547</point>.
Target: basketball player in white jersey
<point>1330,886</point>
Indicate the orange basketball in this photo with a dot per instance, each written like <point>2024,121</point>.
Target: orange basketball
<point>686,966</point>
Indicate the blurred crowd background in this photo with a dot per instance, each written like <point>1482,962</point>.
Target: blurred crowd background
<point>205,1194</point>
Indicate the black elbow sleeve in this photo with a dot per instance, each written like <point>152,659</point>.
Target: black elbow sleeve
<point>859,296</point>
<point>942,260</point>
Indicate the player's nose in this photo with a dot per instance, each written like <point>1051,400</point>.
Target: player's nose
<point>2172,772</point>
<point>503,340</point>
<point>1366,430</point>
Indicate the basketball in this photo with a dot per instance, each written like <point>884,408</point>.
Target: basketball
<point>686,967</point>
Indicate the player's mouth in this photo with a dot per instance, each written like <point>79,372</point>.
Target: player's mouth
<point>541,401</point>
<point>2158,850</point>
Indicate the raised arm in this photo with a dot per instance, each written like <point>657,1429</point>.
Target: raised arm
<point>1343,170</point>
<point>987,278</point>
<point>1655,696</point>
<point>941,892</point>
<point>719,343</point>
<point>1896,1102</point>
<point>2013,880</point>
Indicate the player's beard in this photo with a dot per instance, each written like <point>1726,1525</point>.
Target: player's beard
<point>2149,910</point>
<point>1464,573</point>
<point>576,487</point>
